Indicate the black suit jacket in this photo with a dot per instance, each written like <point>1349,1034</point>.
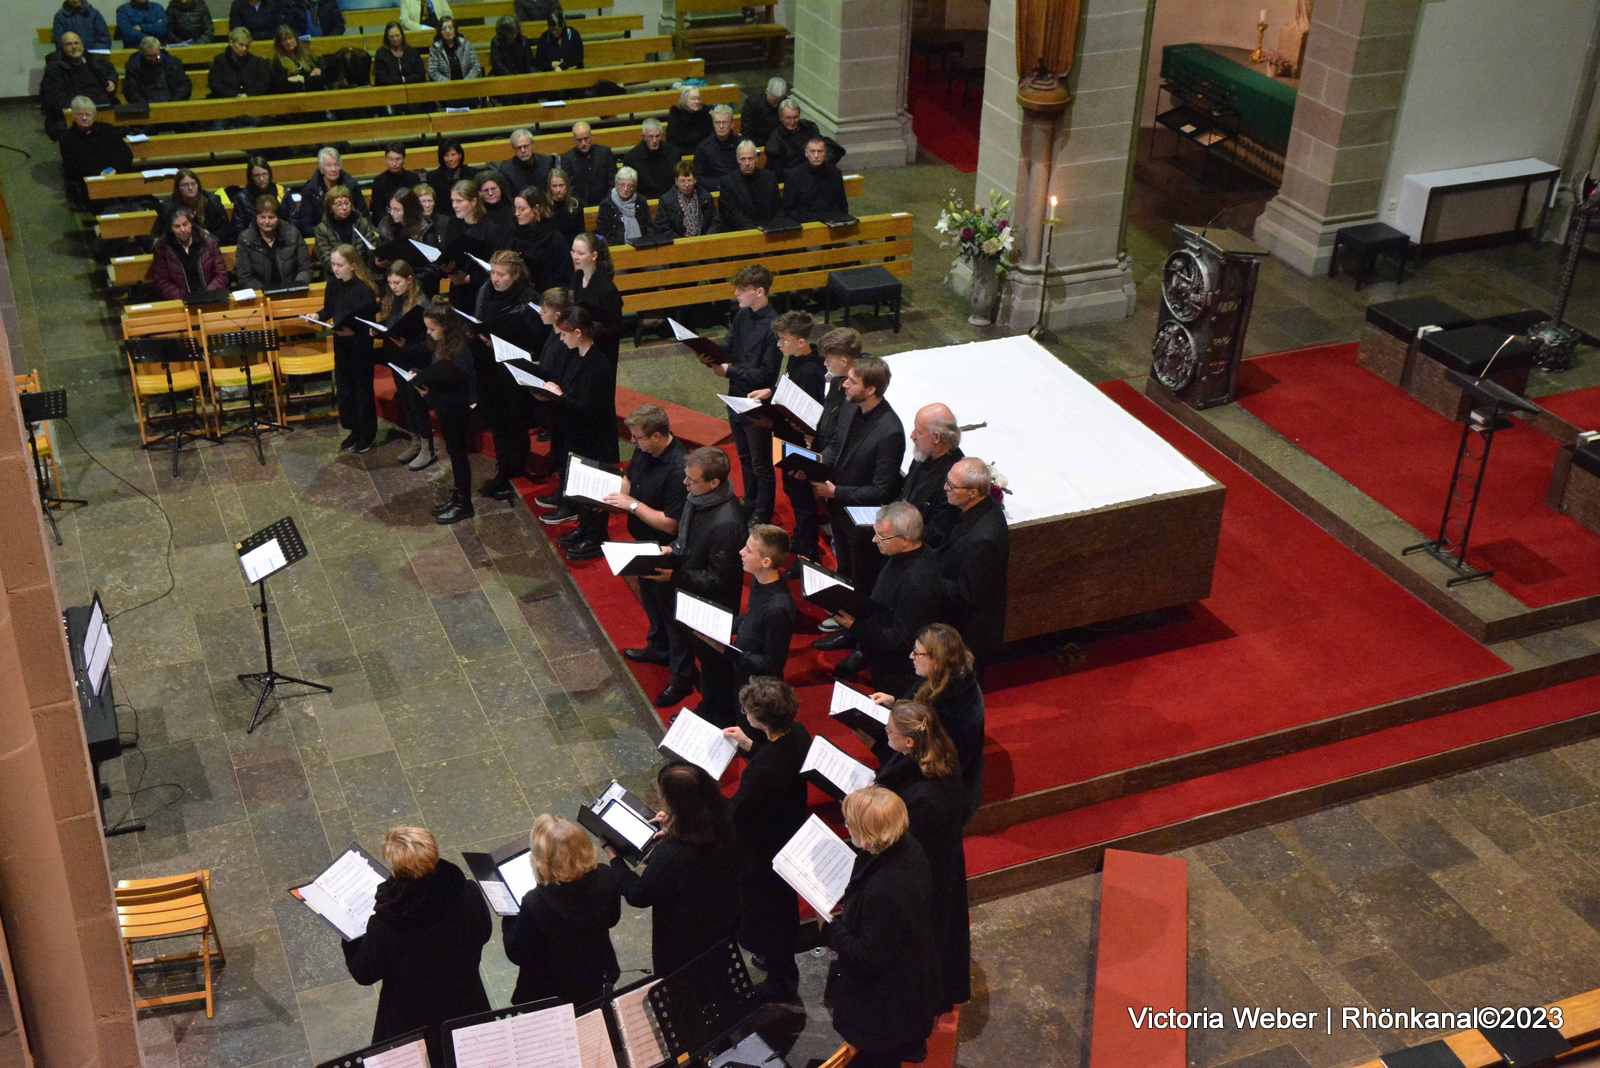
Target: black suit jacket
<point>867,468</point>
<point>904,599</point>
<point>591,175</point>
<point>749,202</point>
<point>834,423</point>
<point>924,487</point>
<point>710,552</point>
<point>972,576</point>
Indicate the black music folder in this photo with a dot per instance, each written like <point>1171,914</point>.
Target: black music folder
<point>409,327</point>
<point>839,222</point>
<point>345,893</point>
<point>622,820</point>
<point>828,589</point>
<point>781,226</point>
<point>504,876</point>
<point>1429,1055</point>
<point>709,352</point>
<point>805,461</point>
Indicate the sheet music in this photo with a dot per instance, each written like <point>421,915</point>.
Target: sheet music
<point>591,482</point>
<point>523,378</point>
<point>817,863</point>
<point>379,327</point>
<point>614,792</point>
<point>429,253</point>
<point>862,515</point>
<point>99,657</point>
<point>814,580</point>
<point>594,1041</point>
<point>159,172</point>
<point>499,898</point>
<point>345,893</point>
<point>263,560</point>
<point>619,554</point>
<point>319,322</point>
<point>642,1041</point>
<point>136,139</point>
<point>519,875</point>
<point>836,766</point>
<point>480,262</point>
<point>505,350</point>
<point>798,401</point>
<point>370,246</point>
<point>711,620</point>
<point>679,331</point>
<point>405,375</point>
<point>410,1055</point>
<point>626,822</point>
<point>697,741</point>
<point>536,309</point>
<point>243,294</point>
<point>469,318</point>
<point>739,405</point>
<point>544,1039</point>
<point>844,697</point>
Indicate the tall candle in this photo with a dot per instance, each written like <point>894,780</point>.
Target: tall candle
<point>1263,15</point>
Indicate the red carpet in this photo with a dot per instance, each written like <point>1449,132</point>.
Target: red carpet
<point>1581,407</point>
<point>946,125</point>
<point>1400,454</point>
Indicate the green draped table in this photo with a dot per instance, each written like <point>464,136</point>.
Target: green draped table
<point>1265,105</point>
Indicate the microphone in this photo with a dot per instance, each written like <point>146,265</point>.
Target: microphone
<point>1509,339</point>
<point>1213,219</point>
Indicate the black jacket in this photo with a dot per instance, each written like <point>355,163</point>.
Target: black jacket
<point>253,260</point>
<point>514,56</point>
<point>904,599</point>
<point>600,296</point>
<point>385,186</point>
<point>608,220</point>
<point>657,482</point>
<point>972,576</point>
<point>569,216</point>
<point>786,149</point>
<point>407,69</point>
<point>656,169</point>
<point>960,709</point>
<point>341,300</point>
<point>753,356</point>
<point>936,810</point>
<point>561,941</point>
<point>565,45</point>
<point>748,202</point>
<point>544,250</point>
<point>768,809</point>
<point>762,633</point>
<point>924,487</point>
<point>866,469</point>
<point>757,119</point>
<point>586,412</point>
<point>592,174</point>
<point>423,944</point>
<point>534,174</point>
<point>191,24</point>
<point>686,129</point>
<point>442,179</point>
<point>834,422</point>
<point>715,160</point>
<point>669,213</point>
<point>885,985</point>
<point>709,540</point>
<point>693,896</point>
<point>155,83</point>
<point>262,21</point>
<point>64,79</point>
<point>811,193</point>
<point>86,153</point>
<point>308,213</point>
<point>250,76</point>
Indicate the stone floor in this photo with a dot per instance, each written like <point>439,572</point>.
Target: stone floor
<point>472,690</point>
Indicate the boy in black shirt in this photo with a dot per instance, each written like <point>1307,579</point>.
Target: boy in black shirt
<point>760,636</point>
<point>793,333</point>
<point>652,495</point>
<point>753,360</point>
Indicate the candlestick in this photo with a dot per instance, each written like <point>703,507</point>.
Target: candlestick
<point>1038,331</point>
<point>1261,39</point>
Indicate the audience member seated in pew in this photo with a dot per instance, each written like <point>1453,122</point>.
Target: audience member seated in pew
<point>450,57</point>
<point>452,168</point>
<point>786,146</point>
<point>190,22</point>
<point>271,254</point>
<point>623,214</point>
<point>561,938</point>
<point>342,224</point>
<point>154,76</point>
<point>716,157</point>
<point>330,174</point>
<point>591,168</point>
<point>651,160</point>
<point>565,208</point>
<point>138,19</point>
<point>395,62</point>
<point>261,17</point>
<point>236,71</point>
<point>688,123</point>
<point>750,196</point>
<point>81,18</point>
<point>538,241</point>
<point>816,190</point>
<point>190,195</point>
<point>240,200</point>
<point>298,65</point>
<point>416,15</point>
<point>71,72</point>
<point>496,197</point>
<point>324,18</point>
<point>187,260</point>
<point>509,51</point>
<point>535,10</point>
<point>688,210</point>
<point>560,47</point>
<point>759,116</point>
<point>88,149</point>
<point>526,169</point>
<point>394,178</point>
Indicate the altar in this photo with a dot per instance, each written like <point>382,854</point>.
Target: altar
<point>1107,520</point>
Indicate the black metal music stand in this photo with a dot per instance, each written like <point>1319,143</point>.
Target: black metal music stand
<point>167,351</point>
<point>249,342</point>
<point>1491,403</point>
<point>262,555</point>
<point>39,408</point>
<point>447,1029</point>
<point>358,1058</point>
<point>706,1002</point>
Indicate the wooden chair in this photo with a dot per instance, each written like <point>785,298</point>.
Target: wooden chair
<point>173,907</point>
<point>44,438</point>
<point>232,365</point>
<point>162,383</point>
<point>841,1057</point>
<point>698,23</point>
<point>302,357</point>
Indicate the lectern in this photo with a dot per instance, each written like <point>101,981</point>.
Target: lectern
<point>1208,286</point>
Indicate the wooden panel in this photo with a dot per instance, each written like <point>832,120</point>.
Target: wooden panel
<point>718,7</point>
<point>710,293</point>
<point>720,271</point>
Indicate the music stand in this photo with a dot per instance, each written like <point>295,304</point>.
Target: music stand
<point>1491,403</point>
<point>358,1058</point>
<point>261,555</point>
<point>705,1002</point>
<point>167,351</point>
<point>447,1029</point>
<point>249,342</point>
<point>38,408</point>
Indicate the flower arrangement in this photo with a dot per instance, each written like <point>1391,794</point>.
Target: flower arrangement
<point>999,485</point>
<point>982,233</point>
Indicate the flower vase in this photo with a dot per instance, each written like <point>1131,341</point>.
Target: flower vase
<point>985,292</point>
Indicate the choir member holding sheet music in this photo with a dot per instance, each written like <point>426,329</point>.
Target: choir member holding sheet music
<point>689,882</point>
<point>753,360</point>
<point>866,465</point>
<point>351,292</point>
<point>503,304</point>
<point>935,448</point>
<point>711,532</point>
<point>793,331</point>
<point>471,224</point>
<point>550,365</point>
<point>974,559</point>
<point>905,599</point>
<point>885,986</point>
<point>561,939</point>
<point>949,685</point>
<point>760,635</point>
<point>586,401</point>
<point>593,288</point>
<point>424,941</point>
<point>768,809</point>
<point>408,350</point>
<point>449,385</point>
<point>653,494</point>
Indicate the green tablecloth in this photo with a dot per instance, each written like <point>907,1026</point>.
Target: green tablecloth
<point>1264,104</point>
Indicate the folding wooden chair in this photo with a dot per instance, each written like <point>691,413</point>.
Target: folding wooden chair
<point>171,907</point>
<point>160,385</point>
<point>238,345</point>
<point>302,359</point>
<point>45,440</point>
<point>841,1057</point>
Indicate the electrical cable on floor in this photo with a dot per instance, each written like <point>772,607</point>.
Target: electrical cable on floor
<point>137,788</point>
<point>24,153</point>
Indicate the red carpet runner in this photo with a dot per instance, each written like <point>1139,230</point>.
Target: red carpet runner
<point>945,121</point>
<point>1400,454</point>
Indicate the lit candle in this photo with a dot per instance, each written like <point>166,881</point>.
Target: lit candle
<point>1263,15</point>
<point>1052,206</point>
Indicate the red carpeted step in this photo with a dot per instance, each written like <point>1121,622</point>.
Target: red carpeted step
<point>1142,961</point>
<point>1400,454</point>
<point>1580,407</point>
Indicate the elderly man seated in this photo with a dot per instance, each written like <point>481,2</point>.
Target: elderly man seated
<point>154,75</point>
<point>71,72</point>
<point>90,149</point>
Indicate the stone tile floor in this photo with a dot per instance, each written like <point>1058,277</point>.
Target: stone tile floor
<point>473,690</point>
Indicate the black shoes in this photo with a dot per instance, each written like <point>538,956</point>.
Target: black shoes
<point>676,691</point>
<point>548,500</point>
<point>841,639</point>
<point>455,512</point>
<point>362,446</point>
<point>583,549</point>
<point>498,489</point>
<point>645,655</point>
<point>564,514</point>
<point>850,666</point>
<point>348,443</point>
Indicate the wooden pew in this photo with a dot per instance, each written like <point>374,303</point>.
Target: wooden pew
<point>1580,1025</point>
<point>697,23</point>
<point>131,270</point>
<point>405,128</point>
<point>425,93</point>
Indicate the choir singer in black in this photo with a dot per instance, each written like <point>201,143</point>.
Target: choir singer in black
<point>760,635</point>
<point>753,361</point>
<point>935,448</point>
<point>904,600</point>
<point>974,559</point>
<point>866,468</point>
<point>561,938</point>
<point>948,684</point>
<point>653,494</point>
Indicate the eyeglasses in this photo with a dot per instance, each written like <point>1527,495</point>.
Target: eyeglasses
<point>923,653</point>
<point>881,539</point>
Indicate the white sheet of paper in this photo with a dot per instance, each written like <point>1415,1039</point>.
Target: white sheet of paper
<point>263,560</point>
<point>591,482</point>
<point>642,1042</point>
<point>500,898</point>
<point>536,309</point>
<point>626,822</point>
<point>817,863</point>
<point>137,139</point>
<point>405,375</point>
<point>594,1041</point>
<point>862,515</point>
<point>798,401</point>
<point>319,322</point>
<point>844,697</point>
<point>523,378</point>
<point>544,1039</point>
<point>99,657</point>
<point>519,875</point>
<point>505,350</point>
<point>452,110</point>
<point>835,765</point>
<point>159,172</point>
<point>345,894</point>
<point>243,294</point>
<point>469,317</point>
<point>554,103</point>
<point>700,743</point>
<point>430,253</point>
<point>480,262</point>
<point>364,241</point>
<point>410,1055</point>
<point>814,579</point>
<point>619,554</point>
<point>679,331</point>
<point>379,327</point>
<point>740,405</point>
<point>714,621</point>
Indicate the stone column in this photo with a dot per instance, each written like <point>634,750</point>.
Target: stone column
<point>851,60</point>
<point>1357,54</point>
<point>1089,277</point>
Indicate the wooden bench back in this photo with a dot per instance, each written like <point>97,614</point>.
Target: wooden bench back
<point>693,8</point>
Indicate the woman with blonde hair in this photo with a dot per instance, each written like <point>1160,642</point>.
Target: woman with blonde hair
<point>342,224</point>
<point>403,294</point>
<point>885,983</point>
<point>423,942</point>
<point>506,406</point>
<point>948,684</point>
<point>300,67</point>
<point>351,292</point>
<point>561,940</point>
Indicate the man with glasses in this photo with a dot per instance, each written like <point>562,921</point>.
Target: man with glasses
<point>653,492</point>
<point>526,169</point>
<point>974,559</point>
<point>652,160</point>
<point>905,599</point>
<point>590,167</point>
<point>935,448</point>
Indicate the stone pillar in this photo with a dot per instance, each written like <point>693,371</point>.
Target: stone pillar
<point>1089,277</point>
<point>14,1051</point>
<point>851,61</point>
<point>76,1003</point>
<point>1357,54</point>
